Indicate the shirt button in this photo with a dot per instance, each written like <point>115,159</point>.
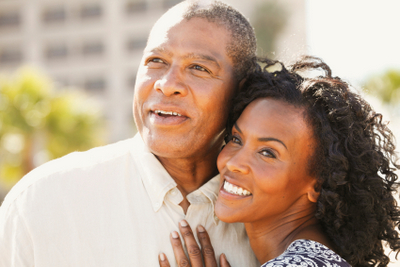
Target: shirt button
<point>216,218</point>
<point>174,192</point>
<point>156,205</point>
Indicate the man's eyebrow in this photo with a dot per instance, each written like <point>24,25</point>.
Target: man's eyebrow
<point>162,50</point>
<point>211,59</point>
<point>203,57</point>
<point>263,139</point>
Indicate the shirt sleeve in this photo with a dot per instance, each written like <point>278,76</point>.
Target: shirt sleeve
<point>16,247</point>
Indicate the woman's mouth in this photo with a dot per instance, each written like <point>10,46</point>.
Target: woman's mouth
<point>235,190</point>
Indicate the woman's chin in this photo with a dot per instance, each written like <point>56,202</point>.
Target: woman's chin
<point>226,214</point>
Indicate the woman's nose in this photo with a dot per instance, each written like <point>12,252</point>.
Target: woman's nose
<point>238,162</point>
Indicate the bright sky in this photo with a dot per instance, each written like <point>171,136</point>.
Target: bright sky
<point>356,38</point>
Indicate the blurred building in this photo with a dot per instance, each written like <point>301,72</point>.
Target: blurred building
<point>97,45</point>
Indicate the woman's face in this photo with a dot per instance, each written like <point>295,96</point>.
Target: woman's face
<point>264,167</point>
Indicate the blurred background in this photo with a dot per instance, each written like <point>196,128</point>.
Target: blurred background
<point>68,67</point>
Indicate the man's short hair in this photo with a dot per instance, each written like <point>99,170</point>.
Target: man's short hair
<point>242,48</point>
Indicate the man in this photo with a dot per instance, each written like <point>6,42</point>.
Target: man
<point>117,205</point>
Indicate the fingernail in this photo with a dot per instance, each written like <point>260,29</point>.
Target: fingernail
<point>175,234</point>
<point>162,257</point>
<point>201,229</point>
<point>183,223</point>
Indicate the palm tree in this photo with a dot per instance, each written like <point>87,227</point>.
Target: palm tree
<point>39,123</point>
<point>386,87</point>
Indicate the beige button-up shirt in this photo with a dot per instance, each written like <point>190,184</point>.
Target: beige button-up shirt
<point>111,206</point>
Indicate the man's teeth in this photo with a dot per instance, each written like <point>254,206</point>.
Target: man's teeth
<point>233,189</point>
<point>159,112</point>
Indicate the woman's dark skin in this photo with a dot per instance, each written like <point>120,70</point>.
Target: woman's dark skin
<point>267,155</point>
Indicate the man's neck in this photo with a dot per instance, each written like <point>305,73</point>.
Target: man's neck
<point>190,174</point>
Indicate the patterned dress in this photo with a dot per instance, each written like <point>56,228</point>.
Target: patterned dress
<point>307,253</point>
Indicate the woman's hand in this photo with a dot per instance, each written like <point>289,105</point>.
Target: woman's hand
<point>196,255</point>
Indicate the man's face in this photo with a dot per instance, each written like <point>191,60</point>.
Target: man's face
<point>183,89</point>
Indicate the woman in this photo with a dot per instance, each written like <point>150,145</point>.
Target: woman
<point>309,168</point>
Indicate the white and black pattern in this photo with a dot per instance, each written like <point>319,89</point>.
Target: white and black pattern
<point>307,253</point>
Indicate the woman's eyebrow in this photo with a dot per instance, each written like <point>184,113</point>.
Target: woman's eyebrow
<point>237,127</point>
<point>262,139</point>
<point>266,139</point>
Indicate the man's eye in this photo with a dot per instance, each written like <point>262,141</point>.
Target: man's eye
<point>156,60</point>
<point>200,68</point>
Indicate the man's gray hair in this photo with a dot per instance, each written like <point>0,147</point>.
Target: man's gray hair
<point>242,48</point>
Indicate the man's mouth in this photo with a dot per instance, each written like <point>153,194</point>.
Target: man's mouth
<point>235,190</point>
<point>166,113</point>
<point>167,117</point>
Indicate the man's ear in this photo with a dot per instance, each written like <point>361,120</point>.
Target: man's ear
<point>312,192</point>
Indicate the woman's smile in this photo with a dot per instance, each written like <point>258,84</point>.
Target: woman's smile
<point>235,190</point>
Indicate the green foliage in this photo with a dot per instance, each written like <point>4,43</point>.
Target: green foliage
<point>385,87</point>
<point>269,20</point>
<point>38,123</point>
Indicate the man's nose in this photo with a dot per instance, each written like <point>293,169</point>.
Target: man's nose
<point>172,83</point>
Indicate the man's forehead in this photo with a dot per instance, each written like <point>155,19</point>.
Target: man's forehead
<point>179,13</point>
<point>162,31</point>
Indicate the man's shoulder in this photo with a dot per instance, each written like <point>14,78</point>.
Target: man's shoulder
<point>67,167</point>
<point>83,160</point>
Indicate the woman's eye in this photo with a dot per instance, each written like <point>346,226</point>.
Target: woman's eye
<point>267,153</point>
<point>235,140</point>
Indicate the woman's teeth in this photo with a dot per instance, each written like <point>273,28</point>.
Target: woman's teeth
<point>233,189</point>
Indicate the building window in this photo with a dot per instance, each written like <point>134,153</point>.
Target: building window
<point>135,6</point>
<point>92,48</point>
<point>136,44</point>
<point>170,3</point>
<point>9,19</point>
<point>95,84</point>
<point>91,11</point>
<point>54,15</point>
<point>54,52</point>
<point>10,56</point>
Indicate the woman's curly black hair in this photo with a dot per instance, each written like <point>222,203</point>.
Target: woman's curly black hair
<point>354,160</point>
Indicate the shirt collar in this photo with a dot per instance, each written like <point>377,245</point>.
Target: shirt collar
<point>210,190</point>
<point>157,180</point>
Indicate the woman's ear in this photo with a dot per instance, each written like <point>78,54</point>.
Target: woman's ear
<point>312,192</point>
<point>313,196</point>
